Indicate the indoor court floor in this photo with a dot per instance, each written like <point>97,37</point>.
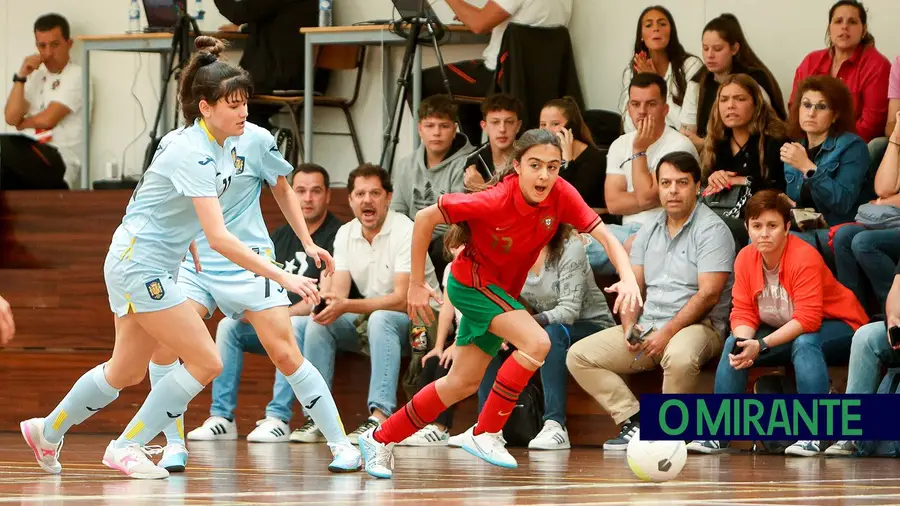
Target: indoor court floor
<point>238,473</point>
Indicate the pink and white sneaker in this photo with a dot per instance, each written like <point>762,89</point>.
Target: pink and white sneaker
<point>45,453</point>
<point>132,460</point>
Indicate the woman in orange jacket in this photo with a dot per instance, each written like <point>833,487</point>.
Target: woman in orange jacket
<point>788,309</point>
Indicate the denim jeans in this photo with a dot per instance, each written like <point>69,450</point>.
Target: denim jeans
<point>868,353</point>
<point>233,339</point>
<point>858,251</point>
<point>597,256</point>
<point>554,375</point>
<point>809,354</point>
<point>388,333</point>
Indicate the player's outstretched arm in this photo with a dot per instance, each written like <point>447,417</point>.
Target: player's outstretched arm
<point>221,240</point>
<point>290,208</point>
<point>629,292</point>
<point>419,295</point>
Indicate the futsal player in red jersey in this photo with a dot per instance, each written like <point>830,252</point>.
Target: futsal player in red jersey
<point>508,225</point>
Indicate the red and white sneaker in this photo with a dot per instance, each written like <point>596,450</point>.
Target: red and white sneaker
<point>132,460</point>
<point>45,453</point>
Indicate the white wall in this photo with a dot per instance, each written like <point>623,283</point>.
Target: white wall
<point>780,31</point>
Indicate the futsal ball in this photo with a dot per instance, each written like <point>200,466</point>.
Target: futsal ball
<point>656,460</point>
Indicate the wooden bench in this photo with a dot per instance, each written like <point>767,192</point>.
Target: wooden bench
<point>52,246</point>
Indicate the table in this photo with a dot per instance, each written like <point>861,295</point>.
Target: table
<point>159,43</point>
<point>371,35</point>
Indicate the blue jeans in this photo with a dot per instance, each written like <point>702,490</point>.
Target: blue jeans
<point>809,354</point>
<point>859,251</point>
<point>554,375</point>
<point>388,333</point>
<point>233,339</point>
<point>869,351</point>
<point>597,256</point>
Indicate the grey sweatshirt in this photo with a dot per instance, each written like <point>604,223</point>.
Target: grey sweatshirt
<point>417,187</point>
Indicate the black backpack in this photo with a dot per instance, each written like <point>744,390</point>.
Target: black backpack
<point>527,418</point>
<point>773,384</point>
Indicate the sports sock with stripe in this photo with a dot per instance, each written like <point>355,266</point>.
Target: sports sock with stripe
<point>511,380</point>
<point>166,402</point>
<point>174,431</point>
<point>311,390</point>
<point>90,393</point>
<point>421,410</point>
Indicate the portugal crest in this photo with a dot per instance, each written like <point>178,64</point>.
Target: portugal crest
<point>238,161</point>
<point>548,222</point>
<point>155,289</point>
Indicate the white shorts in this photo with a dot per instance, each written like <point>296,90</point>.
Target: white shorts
<point>137,288</point>
<point>233,292</point>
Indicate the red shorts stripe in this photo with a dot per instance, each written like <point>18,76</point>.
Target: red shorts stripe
<point>496,299</point>
<point>458,71</point>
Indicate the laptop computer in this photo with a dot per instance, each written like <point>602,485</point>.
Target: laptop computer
<point>163,14</point>
<point>411,9</point>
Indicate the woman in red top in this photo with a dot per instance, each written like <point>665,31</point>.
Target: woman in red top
<point>509,224</point>
<point>788,309</point>
<point>851,57</point>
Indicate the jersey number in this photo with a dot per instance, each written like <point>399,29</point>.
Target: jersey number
<point>504,243</point>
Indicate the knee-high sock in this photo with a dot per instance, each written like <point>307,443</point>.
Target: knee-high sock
<point>174,431</point>
<point>90,393</point>
<point>511,380</point>
<point>421,410</point>
<point>165,403</point>
<point>311,390</point>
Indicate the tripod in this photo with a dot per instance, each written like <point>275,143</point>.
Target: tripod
<point>181,47</point>
<point>435,32</point>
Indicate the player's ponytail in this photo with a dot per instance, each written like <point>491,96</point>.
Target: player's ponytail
<point>209,78</point>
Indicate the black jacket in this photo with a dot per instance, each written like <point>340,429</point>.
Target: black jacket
<point>537,65</point>
<point>274,51</point>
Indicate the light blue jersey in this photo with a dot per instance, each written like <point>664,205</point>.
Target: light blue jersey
<point>160,221</point>
<point>255,159</point>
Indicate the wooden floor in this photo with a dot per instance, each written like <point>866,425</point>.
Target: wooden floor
<point>238,473</point>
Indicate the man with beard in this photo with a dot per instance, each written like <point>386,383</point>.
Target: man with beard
<point>372,251</point>
<point>683,260</point>
<point>236,337</point>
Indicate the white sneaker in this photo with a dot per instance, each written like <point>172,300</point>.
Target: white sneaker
<point>429,435</point>
<point>174,458</point>
<point>270,430</point>
<point>552,437</point>
<point>378,457</point>
<point>371,423</point>
<point>346,458</point>
<point>215,428</point>
<point>45,453</point>
<point>458,440</point>
<point>490,447</point>
<point>804,449</point>
<point>132,460</point>
<point>309,433</point>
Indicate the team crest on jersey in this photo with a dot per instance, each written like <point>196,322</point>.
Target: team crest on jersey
<point>155,289</point>
<point>548,222</point>
<point>238,162</point>
<point>54,85</point>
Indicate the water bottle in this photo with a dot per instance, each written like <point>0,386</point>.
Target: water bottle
<point>134,17</point>
<point>419,338</point>
<point>199,13</point>
<point>325,12</point>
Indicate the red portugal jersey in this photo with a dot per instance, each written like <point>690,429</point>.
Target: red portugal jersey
<point>508,233</point>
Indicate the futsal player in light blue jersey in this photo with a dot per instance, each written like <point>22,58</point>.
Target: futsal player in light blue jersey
<point>175,200</point>
<point>239,293</point>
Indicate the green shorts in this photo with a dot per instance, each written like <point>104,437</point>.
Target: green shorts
<point>479,306</point>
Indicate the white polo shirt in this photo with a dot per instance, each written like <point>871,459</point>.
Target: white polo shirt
<point>621,150</point>
<point>44,87</point>
<point>539,13</point>
<point>373,266</point>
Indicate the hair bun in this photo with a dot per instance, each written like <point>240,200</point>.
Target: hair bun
<point>210,45</point>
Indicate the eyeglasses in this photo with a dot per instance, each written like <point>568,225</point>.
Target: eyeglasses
<point>820,106</point>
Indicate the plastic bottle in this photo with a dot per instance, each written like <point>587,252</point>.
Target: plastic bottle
<point>325,9</point>
<point>419,338</point>
<point>199,13</point>
<point>134,17</point>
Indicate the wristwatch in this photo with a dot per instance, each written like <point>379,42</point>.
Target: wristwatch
<point>763,347</point>
<point>17,79</point>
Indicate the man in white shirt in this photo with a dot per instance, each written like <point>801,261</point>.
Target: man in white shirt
<point>632,160</point>
<point>373,251</point>
<point>472,78</point>
<point>45,104</point>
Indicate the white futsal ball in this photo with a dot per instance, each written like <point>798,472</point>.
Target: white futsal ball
<point>656,460</point>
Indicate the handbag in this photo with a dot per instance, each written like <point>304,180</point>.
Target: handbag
<point>807,219</point>
<point>728,203</point>
<point>878,216</point>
